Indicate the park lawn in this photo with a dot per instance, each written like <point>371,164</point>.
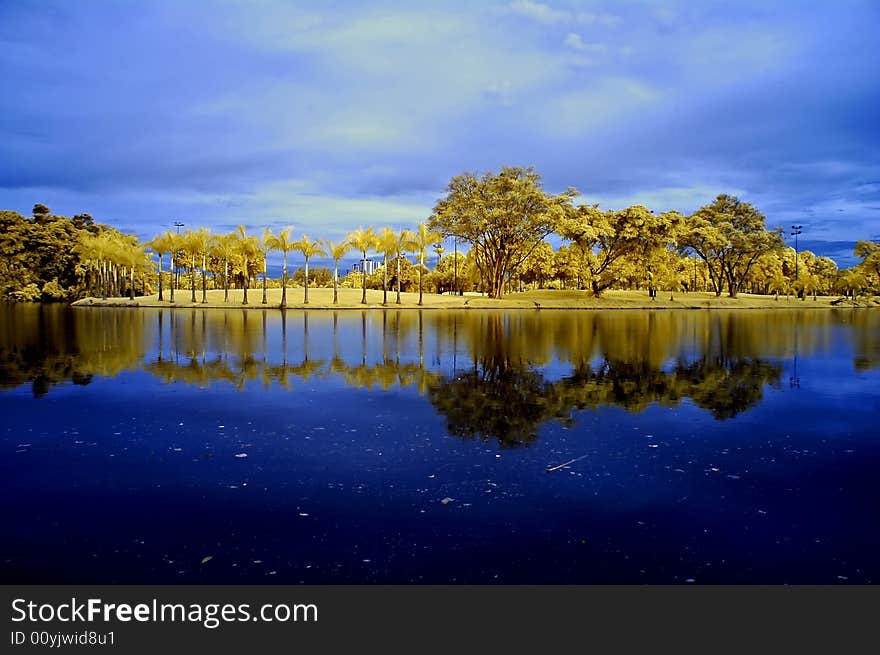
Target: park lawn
<point>322,298</point>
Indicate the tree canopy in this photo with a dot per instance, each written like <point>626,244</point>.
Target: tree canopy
<point>503,216</point>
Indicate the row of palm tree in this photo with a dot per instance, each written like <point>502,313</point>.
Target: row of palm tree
<point>108,259</point>
<point>243,252</point>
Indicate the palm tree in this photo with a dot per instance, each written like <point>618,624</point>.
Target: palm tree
<point>309,249</point>
<point>387,245</point>
<point>190,243</point>
<point>248,249</point>
<point>198,244</point>
<point>283,243</point>
<point>160,245</point>
<point>423,238</point>
<point>337,251</point>
<point>173,248</point>
<point>364,241</point>
<point>263,245</point>
<point>225,247</point>
<point>403,238</point>
<point>132,256</point>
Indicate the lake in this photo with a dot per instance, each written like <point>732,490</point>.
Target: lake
<point>255,446</point>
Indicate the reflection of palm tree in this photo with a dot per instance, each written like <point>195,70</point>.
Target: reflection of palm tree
<point>364,337</point>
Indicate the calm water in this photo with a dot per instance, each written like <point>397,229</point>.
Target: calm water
<point>246,446</point>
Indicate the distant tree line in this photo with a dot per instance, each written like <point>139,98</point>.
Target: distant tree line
<point>499,225</point>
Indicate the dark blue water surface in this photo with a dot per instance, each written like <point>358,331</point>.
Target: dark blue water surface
<point>188,446</point>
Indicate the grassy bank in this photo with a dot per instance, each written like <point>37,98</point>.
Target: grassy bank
<point>321,298</point>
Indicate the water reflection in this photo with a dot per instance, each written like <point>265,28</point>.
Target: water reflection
<point>492,375</point>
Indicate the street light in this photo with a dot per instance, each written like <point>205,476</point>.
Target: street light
<point>795,231</point>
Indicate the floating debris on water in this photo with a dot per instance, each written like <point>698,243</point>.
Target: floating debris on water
<point>564,464</point>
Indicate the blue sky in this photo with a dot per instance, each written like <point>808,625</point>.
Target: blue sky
<point>331,115</point>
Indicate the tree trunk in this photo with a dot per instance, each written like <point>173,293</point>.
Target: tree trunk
<point>160,277</point>
<point>265,270</point>
<point>284,283</point>
<point>364,279</point>
<point>244,300</point>
<point>336,283</point>
<point>171,278</point>
<point>385,281</point>
<point>204,280</point>
<point>192,278</point>
<point>306,294</point>
<point>398,278</point>
<point>225,279</point>
<point>131,283</point>
<point>420,279</point>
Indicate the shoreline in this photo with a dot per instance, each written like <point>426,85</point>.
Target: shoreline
<point>321,300</point>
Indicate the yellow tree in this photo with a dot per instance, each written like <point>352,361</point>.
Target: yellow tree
<point>309,249</point>
<point>404,237</point>
<point>421,240</point>
<point>337,251</point>
<point>364,241</point>
<point>199,243</point>
<point>503,216</point>
<point>225,247</point>
<point>263,246</point>
<point>282,243</point>
<point>248,251</point>
<point>160,245</point>
<point>387,245</point>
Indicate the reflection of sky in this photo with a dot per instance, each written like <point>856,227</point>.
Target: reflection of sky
<point>331,482</point>
<point>333,115</point>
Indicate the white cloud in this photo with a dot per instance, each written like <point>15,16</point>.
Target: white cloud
<point>329,215</point>
<point>607,101</point>
<point>686,199</point>
<point>547,15</point>
<point>602,19</point>
<point>539,12</point>
<point>576,42</point>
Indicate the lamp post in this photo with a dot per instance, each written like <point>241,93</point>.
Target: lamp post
<point>795,231</point>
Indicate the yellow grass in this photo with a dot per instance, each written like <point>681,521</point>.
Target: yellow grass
<point>321,298</point>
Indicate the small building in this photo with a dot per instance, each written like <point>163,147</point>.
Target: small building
<point>370,266</point>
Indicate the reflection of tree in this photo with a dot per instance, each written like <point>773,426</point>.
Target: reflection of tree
<point>507,403</point>
<point>46,345</point>
<point>493,375</point>
<point>728,387</point>
<point>866,339</point>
